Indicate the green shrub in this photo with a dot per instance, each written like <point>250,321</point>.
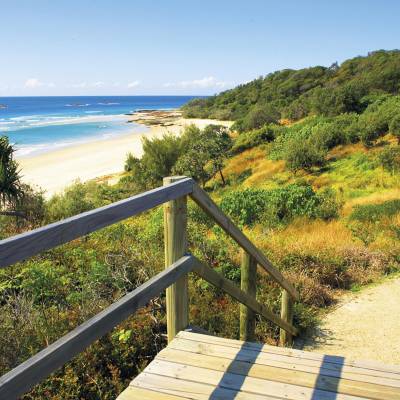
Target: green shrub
<point>375,212</point>
<point>245,205</point>
<point>394,127</point>
<point>305,155</point>
<point>371,127</point>
<point>328,135</point>
<point>389,158</point>
<point>329,205</point>
<point>276,206</point>
<point>257,117</point>
<point>255,137</point>
<point>75,199</point>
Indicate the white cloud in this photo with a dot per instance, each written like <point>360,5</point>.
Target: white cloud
<point>204,83</point>
<point>133,84</point>
<point>33,83</point>
<point>98,84</point>
<point>79,85</point>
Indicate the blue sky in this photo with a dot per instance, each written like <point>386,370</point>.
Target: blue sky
<point>124,47</point>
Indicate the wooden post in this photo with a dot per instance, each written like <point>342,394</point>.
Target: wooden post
<point>248,284</point>
<point>285,338</point>
<point>175,224</point>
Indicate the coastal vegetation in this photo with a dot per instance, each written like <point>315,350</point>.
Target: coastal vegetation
<point>310,172</point>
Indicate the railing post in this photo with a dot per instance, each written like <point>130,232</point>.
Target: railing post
<point>285,338</point>
<point>175,224</point>
<point>248,283</point>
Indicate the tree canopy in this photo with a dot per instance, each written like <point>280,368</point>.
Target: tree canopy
<point>295,94</point>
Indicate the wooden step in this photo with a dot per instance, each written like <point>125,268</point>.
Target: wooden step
<point>198,366</point>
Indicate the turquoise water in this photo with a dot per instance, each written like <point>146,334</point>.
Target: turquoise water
<point>40,124</point>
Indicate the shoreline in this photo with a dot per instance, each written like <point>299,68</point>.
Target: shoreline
<point>101,159</point>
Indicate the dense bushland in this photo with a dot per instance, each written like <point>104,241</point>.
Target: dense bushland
<point>294,94</point>
<point>319,195</point>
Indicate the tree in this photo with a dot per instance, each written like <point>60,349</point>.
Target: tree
<point>260,115</point>
<point>303,154</point>
<point>203,152</point>
<point>159,156</point>
<point>11,188</point>
<point>219,143</point>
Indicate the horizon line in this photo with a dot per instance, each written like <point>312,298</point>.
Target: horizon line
<point>118,95</point>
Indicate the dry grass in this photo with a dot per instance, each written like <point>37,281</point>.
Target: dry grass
<point>248,159</point>
<point>374,198</point>
<point>304,235</point>
<point>346,150</point>
<point>262,169</point>
<point>320,257</point>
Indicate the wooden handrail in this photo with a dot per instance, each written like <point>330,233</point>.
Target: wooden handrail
<point>227,286</point>
<point>17,248</point>
<point>22,378</point>
<point>208,205</point>
<point>28,244</point>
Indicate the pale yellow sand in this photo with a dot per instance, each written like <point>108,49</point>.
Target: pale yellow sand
<point>365,326</point>
<point>55,170</point>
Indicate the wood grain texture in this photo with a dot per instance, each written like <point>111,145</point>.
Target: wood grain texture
<point>227,286</point>
<point>181,383</point>
<point>207,204</point>
<point>23,377</point>
<point>281,375</point>
<point>285,338</point>
<point>202,367</point>
<point>248,283</point>
<point>20,247</point>
<point>301,356</point>
<point>254,357</point>
<point>143,393</point>
<point>224,383</point>
<point>175,245</point>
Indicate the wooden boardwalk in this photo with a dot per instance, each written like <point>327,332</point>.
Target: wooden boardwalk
<point>197,366</point>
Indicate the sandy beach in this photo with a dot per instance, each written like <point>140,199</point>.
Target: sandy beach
<point>53,171</point>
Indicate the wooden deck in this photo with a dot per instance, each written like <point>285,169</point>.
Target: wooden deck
<point>197,366</point>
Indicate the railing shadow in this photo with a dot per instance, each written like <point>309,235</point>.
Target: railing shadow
<point>232,381</point>
<point>236,373</point>
<point>328,389</point>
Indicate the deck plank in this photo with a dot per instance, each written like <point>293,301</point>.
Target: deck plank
<point>197,366</point>
<point>140,393</point>
<point>186,388</point>
<point>306,355</point>
<point>290,363</point>
<point>345,386</point>
<point>243,385</point>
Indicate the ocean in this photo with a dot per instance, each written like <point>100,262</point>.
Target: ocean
<point>40,124</point>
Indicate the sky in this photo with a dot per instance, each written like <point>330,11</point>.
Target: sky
<point>176,47</point>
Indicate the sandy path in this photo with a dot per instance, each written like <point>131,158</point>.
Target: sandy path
<point>365,326</point>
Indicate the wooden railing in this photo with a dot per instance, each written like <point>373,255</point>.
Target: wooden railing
<point>174,279</point>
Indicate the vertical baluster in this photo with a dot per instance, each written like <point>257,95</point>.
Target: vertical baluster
<point>175,225</point>
<point>248,285</point>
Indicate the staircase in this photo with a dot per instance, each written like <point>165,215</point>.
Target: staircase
<point>195,365</point>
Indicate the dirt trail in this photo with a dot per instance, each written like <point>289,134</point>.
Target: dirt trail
<point>365,326</point>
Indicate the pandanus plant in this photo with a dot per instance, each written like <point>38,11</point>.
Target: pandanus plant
<point>11,191</point>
